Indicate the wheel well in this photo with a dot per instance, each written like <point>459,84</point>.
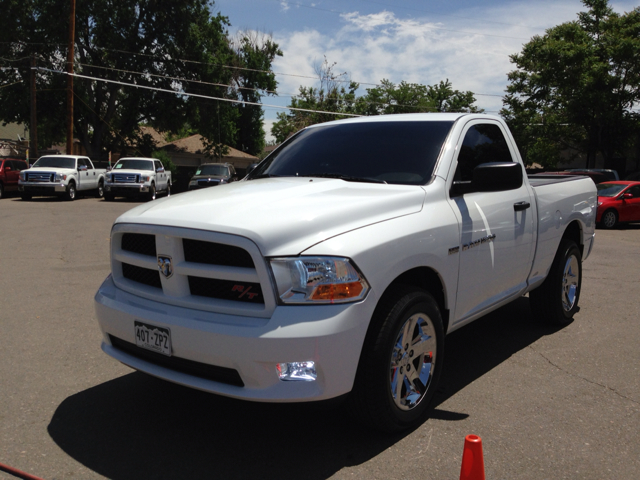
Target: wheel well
<point>574,233</point>
<point>426,279</point>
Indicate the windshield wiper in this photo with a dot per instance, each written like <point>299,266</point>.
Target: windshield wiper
<point>346,178</point>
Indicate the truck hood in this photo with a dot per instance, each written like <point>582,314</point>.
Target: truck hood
<point>283,216</point>
<point>51,169</point>
<point>132,172</point>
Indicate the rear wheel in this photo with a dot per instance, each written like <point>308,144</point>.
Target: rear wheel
<point>100,190</point>
<point>1,190</point>
<point>168,189</point>
<point>556,300</point>
<point>401,361</point>
<point>609,219</point>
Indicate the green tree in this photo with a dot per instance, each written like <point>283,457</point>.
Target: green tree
<point>574,87</point>
<point>333,98</point>
<point>177,46</point>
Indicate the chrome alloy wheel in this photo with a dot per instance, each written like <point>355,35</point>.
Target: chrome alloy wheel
<point>570,279</point>
<point>412,361</point>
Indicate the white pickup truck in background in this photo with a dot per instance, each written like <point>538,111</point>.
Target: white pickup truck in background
<point>61,175</point>
<point>339,264</point>
<point>137,176</point>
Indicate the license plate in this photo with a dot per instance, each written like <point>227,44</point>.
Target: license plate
<point>153,338</point>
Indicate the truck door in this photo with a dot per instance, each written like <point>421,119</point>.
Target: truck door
<point>496,228</point>
<point>83,175</point>
<point>161,176</point>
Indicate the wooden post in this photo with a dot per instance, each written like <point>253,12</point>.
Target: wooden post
<point>33,128</point>
<point>72,30</point>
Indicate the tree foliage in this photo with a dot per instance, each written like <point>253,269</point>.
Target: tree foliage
<point>175,46</point>
<point>332,100</point>
<point>574,88</point>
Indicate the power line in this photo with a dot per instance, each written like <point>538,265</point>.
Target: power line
<point>86,77</point>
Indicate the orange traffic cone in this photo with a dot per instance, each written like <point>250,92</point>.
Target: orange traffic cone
<point>472,461</point>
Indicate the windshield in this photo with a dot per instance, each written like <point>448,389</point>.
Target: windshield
<point>134,165</point>
<point>609,189</point>
<point>402,153</point>
<point>56,162</point>
<point>220,170</point>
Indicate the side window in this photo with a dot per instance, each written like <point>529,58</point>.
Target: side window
<point>481,144</point>
<point>157,164</point>
<point>635,191</point>
<point>19,166</point>
<point>88,163</point>
<point>82,162</point>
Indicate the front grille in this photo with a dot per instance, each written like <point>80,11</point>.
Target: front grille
<point>226,289</point>
<point>208,183</point>
<point>183,365</point>
<point>216,254</point>
<point>125,178</point>
<point>141,243</point>
<point>39,177</point>
<point>145,276</point>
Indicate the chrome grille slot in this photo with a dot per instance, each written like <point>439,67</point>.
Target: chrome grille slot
<point>216,254</point>
<point>143,244</point>
<point>40,176</point>
<point>226,290</point>
<point>141,275</point>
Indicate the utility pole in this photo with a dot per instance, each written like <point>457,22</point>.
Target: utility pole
<point>33,133</point>
<point>72,31</point>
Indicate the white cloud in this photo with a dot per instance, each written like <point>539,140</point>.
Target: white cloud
<point>284,6</point>
<point>471,49</point>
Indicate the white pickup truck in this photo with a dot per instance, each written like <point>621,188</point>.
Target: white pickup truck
<point>339,264</point>
<point>61,175</point>
<point>137,176</point>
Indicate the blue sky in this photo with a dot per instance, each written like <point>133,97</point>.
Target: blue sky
<point>467,42</point>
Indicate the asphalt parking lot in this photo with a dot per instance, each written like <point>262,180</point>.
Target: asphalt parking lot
<point>548,403</point>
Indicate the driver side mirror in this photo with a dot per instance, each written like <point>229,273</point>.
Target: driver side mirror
<point>8,169</point>
<point>82,168</point>
<point>491,177</point>
<point>160,169</point>
<point>627,196</point>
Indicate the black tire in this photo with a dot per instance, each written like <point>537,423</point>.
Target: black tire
<point>26,196</point>
<point>394,383</point>
<point>152,192</point>
<point>609,219</point>
<point>556,300</point>
<point>100,190</point>
<point>71,192</point>
<point>108,197</point>
<point>1,190</point>
<point>168,189</point>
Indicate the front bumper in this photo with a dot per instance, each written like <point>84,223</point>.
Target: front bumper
<point>125,190</point>
<point>45,189</point>
<point>330,335</point>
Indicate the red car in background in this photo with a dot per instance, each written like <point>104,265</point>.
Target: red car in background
<point>9,171</point>
<point>618,202</point>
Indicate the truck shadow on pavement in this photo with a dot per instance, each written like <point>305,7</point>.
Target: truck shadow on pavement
<point>137,426</point>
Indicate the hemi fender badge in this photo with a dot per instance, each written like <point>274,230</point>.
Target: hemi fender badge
<point>454,250</point>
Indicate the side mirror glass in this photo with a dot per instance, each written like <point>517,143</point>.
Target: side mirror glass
<point>82,168</point>
<point>7,169</point>
<point>491,177</point>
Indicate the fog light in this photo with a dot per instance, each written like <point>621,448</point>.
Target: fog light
<point>297,371</point>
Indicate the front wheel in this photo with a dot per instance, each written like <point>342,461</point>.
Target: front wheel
<point>556,300</point>
<point>100,190</point>
<point>168,189</point>
<point>609,219</point>
<point>70,194</point>
<point>152,192</point>
<point>401,361</point>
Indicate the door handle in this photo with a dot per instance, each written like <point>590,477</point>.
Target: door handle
<point>521,206</point>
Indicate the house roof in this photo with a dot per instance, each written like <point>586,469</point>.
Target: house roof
<point>14,131</point>
<point>195,144</point>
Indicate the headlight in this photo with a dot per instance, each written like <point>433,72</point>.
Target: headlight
<point>23,176</point>
<point>303,280</point>
<point>60,177</point>
<point>145,178</point>
<point>193,182</point>
<point>108,177</point>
